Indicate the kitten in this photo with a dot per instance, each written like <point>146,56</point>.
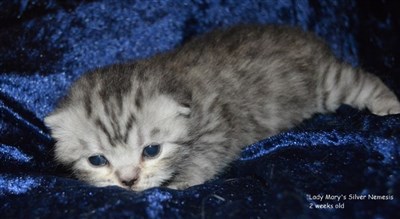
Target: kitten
<point>177,119</point>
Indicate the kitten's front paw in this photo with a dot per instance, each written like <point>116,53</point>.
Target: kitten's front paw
<point>386,108</point>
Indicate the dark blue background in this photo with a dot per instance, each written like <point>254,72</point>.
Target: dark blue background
<point>45,45</point>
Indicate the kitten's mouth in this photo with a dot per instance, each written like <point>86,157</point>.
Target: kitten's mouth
<point>136,187</point>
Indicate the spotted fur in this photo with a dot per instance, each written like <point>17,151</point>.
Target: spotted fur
<point>203,102</point>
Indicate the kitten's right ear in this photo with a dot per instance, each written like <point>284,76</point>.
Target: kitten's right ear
<point>54,120</point>
<point>185,101</point>
<point>184,110</point>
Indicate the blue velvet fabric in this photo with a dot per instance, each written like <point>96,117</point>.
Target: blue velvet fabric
<point>45,45</point>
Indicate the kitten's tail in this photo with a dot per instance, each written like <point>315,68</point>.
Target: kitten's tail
<point>341,83</point>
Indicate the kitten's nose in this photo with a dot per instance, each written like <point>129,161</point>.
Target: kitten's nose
<point>130,182</point>
<point>128,175</point>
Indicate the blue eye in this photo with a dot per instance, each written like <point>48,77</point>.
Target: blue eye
<point>151,151</point>
<point>98,160</point>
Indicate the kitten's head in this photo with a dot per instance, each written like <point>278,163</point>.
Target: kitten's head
<point>114,129</point>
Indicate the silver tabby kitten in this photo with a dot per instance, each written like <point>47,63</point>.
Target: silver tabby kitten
<point>177,119</point>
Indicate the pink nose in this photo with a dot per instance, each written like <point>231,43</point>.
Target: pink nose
<point>128,175</point>
<point>130,182</point>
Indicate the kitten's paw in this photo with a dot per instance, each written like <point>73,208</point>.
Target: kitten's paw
<point>386,108</point>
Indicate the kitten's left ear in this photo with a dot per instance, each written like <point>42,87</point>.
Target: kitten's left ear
<point>184,109</point>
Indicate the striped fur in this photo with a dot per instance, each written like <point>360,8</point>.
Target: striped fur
<point>203,102</point>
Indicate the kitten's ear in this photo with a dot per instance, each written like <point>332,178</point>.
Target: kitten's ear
<point>54,120</point>
<point>184,109</point>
